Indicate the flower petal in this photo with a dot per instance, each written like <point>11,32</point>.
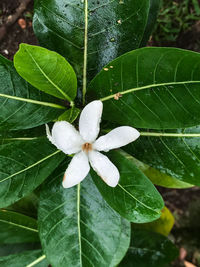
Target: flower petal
<point>77,170</point>
<point>104,168</point>
<point>66,138</point>
<point>118,137</point>
<point>48,133</point>
<point>89,121</point>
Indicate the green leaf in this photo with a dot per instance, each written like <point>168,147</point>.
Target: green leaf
<point>24,165</point>
<point>153,12</point>
<point>159,88</point>
<point>162,226</point>
<point>149,249</point>
<point>8,136</point>
<point>23,135</point>
<point>78,228</point>
<point>69,115</point>
<point>173,152</point>
<point>24,259</point>
<point>135,198</point>
<point>47,71</point>
<point>90,32</point>
<point>17,228</point>
<point>22,106</point>
<point>8,249</point>
<point>27,205</point>
<point>160,178</point>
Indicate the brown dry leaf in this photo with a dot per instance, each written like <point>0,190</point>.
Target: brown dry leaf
<point>189,264</point>
<point>22,23</point>
<point>182,254</point>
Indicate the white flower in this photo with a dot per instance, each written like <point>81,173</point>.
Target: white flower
<point>86,148</point>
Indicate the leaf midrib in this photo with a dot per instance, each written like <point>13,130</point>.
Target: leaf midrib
<point>29,167</point>
<point>162,134</point>
<point>146,87</point>
<point>79,223</point>
<point>85,51</point>
<point>19,225</point>
<point>32,101</point>
<point>48,79</point>
<point>22,138</point>
<point>41,258</point>
<point>127,192</point>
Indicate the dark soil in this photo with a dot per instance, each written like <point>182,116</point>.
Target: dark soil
<point>183,203</point>
<point>186,40</point>
<point>190,39</point>
<point>178,200</point>
<point>185,206</point>
<point>15,34</point>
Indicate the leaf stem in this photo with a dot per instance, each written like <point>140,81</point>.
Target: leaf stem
<point>146,87</point>
<point>72,104</point>
<point>36,261</point>
<point>32,101</point>
<point>154,134</point>
<point>85,52</point>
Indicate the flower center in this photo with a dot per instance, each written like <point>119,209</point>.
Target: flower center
<point>87,147</point>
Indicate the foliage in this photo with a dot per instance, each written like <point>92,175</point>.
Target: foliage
<point>174,18</point>
<point>92,51</point>
<point>149,249</point>
<point>163,225</point>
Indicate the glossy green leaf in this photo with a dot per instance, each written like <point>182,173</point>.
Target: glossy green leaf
<point>90,32</point>
<point>24,165</point>
<point>161,226</point>
<point>46,70</point>
<point>78,228</point>
<point>8,249</point>
<point>159,88</point>
<point>153,12</point>
<point>8,136</point>
<point>174,152</point>
<point>24,259</point>
<point>149,249</point>
<point>160,178</point>
<point>27,205</point>
<point>17,228</point>
<point>135,197</point>
<point>22,106</point>
<point>69,115</point>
